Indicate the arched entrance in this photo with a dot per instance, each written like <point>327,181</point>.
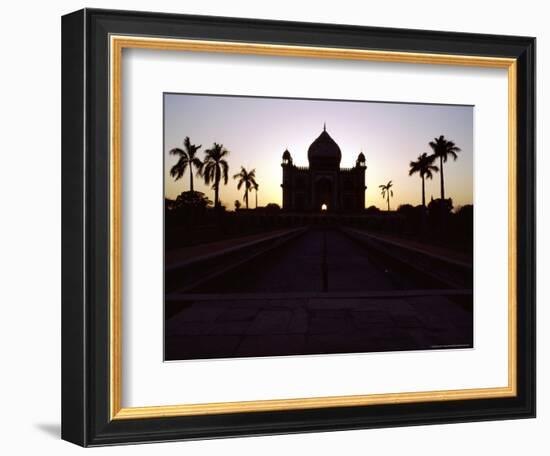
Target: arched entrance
<point>323,195</point>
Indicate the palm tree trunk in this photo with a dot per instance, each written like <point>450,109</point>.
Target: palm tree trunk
<point>246,196</point>
<point>423,194</point>
<point>191,177</point>
<point>388,199</point>
<point>256,199</point>
<point>216,189</point>
<point>441,176</point>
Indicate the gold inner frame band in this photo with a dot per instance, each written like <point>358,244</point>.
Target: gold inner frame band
<point>117,44</point>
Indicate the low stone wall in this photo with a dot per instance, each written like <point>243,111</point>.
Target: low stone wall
<point>448,271</point>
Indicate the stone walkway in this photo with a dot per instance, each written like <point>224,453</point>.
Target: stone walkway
<point>198,252</point>
<point>270,325</point>
<point>423,247</point>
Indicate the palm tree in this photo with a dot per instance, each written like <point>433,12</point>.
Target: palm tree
<point>215,168</point>
<point>424,167</point>
<point>248,179</point>
<point>442,149</point>
<point>187,158</point>
<point>387,192</point>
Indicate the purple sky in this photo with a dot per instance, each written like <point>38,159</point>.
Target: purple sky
<point>257,130</point>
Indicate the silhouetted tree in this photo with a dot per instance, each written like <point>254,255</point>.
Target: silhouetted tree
<point>424,167</point>
<point>187,159</point>
<point>464,224</point>
<point>372,210</point>
<point>215,168</point>
<point>466,211</point>
<point>439,211</point>
<point>248,179</point>
<point>192,200</point>
<point>443,148</point>
<point>237,205</point>
<point>387,192</point>
<point>168,203</point>
<point>272,207</point>
<point>189,207</point>
<point>414,218</point>
<point>405,208</point>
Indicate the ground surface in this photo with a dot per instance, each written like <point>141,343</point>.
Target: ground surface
<point>322,292</point>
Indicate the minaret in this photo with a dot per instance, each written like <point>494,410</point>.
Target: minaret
<point>360,167</point>
<point>286,185</point>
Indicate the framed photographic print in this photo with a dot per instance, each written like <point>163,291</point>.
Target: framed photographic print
<point>278,227</point>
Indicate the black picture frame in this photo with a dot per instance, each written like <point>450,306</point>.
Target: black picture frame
<point>85,228</point>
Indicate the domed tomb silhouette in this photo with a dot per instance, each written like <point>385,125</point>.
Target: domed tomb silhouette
<point>324,152</point>
<point>323,186</point>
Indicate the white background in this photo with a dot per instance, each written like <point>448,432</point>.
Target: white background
<point>30,240</point>
<point>147,74</point>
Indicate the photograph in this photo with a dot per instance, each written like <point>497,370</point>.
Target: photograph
<point>285,223</point>
<point>316,226</point>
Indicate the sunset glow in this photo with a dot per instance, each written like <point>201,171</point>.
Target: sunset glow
<point>256,131</point>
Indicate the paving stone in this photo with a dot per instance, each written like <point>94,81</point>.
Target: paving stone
<point>229,327</point>
<point>286,303</point>
<point>421,338</point>
<point>188,328</point>
<point>200,347</point>
<point>448,336</point>
<point>273,345</point>
<point>435,321</point>
<point>398,306</point>
<point>383,331</point>
<point>299,322</point>
<point>368,318</point>
<point>401,343</point>
<point>333,343</point>
<point>406,321</point>
<point>329,303</point>
<point>441,312</point>
<point>331,313</point>
<point>239,314</point>
<point>327,321</point>
<point>270,322</point>
<point>197,312</point>
<point>362,304</point>
<point>240,304</point>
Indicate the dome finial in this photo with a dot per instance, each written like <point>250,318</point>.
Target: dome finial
<point>324,149</point>
<point>324,126</point>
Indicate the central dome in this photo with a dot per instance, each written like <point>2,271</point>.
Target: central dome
<point>324,150</point>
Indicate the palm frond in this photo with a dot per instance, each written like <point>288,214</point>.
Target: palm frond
<point>225,170</point>
<point>177,151</point>
<point>208,172</point>
<point>444,148</point>
<point>177,171</point>
<point>197,163</point>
